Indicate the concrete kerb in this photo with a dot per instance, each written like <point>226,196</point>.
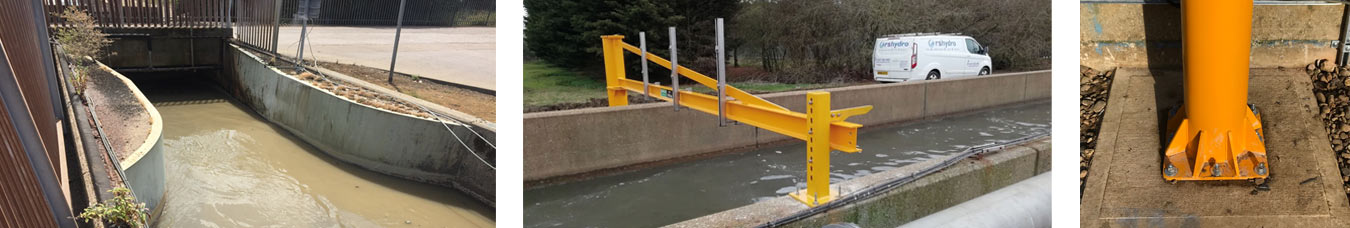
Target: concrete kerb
<point>581,142</point>
<point>963,181</point>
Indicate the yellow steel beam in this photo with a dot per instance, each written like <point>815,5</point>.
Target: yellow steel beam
<point>843,135</point>
<point>704,79</point>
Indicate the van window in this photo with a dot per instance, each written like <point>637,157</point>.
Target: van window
<point>972,46</point>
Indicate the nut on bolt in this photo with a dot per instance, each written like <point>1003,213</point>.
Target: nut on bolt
<point>1171,170</point>
<point>1261,168</point>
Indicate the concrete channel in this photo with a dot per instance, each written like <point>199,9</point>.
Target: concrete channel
<point>241,143</point>
<point>583,142</point>
<point>917,127</point>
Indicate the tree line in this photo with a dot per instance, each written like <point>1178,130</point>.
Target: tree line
<point>787,40</point>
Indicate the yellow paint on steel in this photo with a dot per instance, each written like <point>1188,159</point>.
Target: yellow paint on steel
<point>822,129</point>
<point>1215,135</point>
<point>818,118</point>
<point>710,82</point>
<point>614,70</point>
<point>843,137</point>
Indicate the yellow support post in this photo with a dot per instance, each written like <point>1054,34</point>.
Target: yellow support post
<point>614,70</point>
<point>818,118</point>
<point>1215,135</point>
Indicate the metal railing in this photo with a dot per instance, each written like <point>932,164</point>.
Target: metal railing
<point>144,13</point>
<point>419,12</point>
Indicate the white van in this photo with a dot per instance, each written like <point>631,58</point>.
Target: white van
<point>926,56</point>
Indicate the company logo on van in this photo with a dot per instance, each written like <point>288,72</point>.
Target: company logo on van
<point>941,43</point>
<point>895,44</point>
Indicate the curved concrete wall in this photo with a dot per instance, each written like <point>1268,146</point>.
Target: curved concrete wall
<point>573,142</point>
<point>392,143</point>
<point>144,167</point>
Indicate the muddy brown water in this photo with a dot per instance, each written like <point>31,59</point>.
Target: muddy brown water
<point>228,167</point>
<point>669,194</point>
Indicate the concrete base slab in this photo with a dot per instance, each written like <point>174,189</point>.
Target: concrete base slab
<point>1125,187</point>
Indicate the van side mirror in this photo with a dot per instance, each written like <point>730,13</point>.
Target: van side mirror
<point>984,50</point>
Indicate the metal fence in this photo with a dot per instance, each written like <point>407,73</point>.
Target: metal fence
<point>257,23</point>
<point>417,12</point>
<point>145,13</point>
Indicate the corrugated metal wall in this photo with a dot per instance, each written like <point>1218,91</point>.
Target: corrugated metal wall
<point>29,135</point>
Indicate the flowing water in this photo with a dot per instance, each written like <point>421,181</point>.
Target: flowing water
<point>228,167</point>
<point>669,194</point>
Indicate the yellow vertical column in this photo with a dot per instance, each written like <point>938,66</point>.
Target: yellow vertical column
<point>614,70</point>
<point>817,151</point>
<point>1216,45</point>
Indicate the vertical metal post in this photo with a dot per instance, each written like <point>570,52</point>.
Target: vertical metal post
<point>674,71</point>
<point>304,25</point>
<point>121,14</point>
<point>721,77</point>
<point>276,26</point>
<point>642,40</point>
<point>398,30</point>
<point>1342,53</point>
<point>229,14</point>
<point>614,70</point>
<point>817,151</point>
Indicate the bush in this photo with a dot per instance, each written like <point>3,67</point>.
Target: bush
<point>80,41</point>
<point>121,210</point>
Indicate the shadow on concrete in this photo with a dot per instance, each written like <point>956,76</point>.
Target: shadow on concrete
<point>1162,39</point>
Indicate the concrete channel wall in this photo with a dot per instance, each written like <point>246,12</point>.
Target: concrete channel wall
<point>575,142</point>
<point>396,144</point>
<point>967,179</point>
<point>1149,35</point>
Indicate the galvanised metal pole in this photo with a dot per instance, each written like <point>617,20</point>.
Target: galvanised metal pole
<point>398,31</point>
<point>304,25</point>
<point>276,26</point>
<point>721,77</point>
<point>646,91</point>
<point>674,72</point>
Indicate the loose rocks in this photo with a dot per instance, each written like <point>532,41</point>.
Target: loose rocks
<point>1332,91</point>
<point>1094,90</point>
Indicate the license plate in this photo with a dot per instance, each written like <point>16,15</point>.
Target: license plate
<point>881,72</point>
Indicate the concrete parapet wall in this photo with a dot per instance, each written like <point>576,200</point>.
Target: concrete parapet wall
<point>953,185</point>
<point>1149,35</point>
<point>396,144</point>
<point>138,48</point>
<point>576,142</point>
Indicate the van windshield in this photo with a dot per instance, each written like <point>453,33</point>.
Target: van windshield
<point>972,46</point>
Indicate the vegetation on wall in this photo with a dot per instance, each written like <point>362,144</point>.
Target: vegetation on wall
<point>80,40</point>
<point>122,210</point>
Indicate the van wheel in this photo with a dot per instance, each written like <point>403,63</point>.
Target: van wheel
<point>934,75</point>
<point>984,71</point>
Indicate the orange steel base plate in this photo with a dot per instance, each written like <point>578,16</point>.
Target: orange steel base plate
<point>1185,158</point>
